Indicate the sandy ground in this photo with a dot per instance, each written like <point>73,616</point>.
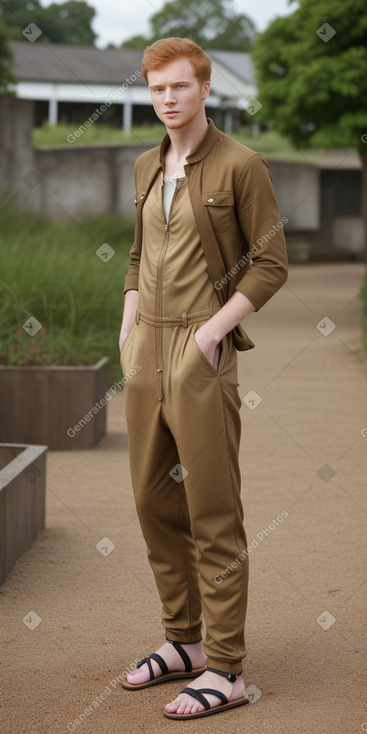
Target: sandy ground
<point>305,667</point>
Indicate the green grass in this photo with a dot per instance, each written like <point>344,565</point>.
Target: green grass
<point>50,270</point>
<point>97,135</point>
<point>269,144</point>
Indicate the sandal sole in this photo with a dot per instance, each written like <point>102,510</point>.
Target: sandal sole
<point>210,712</point>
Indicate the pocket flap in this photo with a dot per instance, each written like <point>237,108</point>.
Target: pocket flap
<point>217,198</point>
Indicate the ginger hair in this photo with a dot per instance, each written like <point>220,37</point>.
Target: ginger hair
<point>167,49</point>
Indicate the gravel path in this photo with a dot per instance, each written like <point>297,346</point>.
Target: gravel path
<point>303,454</point>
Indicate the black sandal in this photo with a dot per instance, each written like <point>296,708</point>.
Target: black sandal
<point>166,675</point>
<point>225,705</point>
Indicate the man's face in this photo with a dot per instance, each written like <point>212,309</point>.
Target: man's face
<point>176,93</point>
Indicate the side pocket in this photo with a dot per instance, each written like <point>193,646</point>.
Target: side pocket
<point>127,340</point>
<point>201,355</point>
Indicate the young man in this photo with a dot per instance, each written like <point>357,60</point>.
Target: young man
<point>202,260</point>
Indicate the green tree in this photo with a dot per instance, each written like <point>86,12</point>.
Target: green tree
<point>17,14</point>
<point>5,60</point>
<point>211,23</point>
<point>312,77</point>
<point>69,22</point>
<point>136,42</point>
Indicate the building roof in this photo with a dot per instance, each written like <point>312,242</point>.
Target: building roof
<point>63,63</point>
<point>58,62</point>
<point>237,62</point>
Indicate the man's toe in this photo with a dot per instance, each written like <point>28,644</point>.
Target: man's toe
<point>183,704</point>
<point>172,706</point>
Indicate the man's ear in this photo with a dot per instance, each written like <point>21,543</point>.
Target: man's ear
<point>205,91</point>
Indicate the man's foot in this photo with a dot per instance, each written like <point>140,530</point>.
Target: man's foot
<point>173,660</point>
<point>185,704</point>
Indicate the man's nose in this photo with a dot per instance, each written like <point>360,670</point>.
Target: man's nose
<point>169,95</point>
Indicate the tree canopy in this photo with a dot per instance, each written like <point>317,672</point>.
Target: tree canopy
<point>5,60</point>
<point>312,73</point>
<point>212,24</point>
<point>69,22</point>
<point>312,77</point>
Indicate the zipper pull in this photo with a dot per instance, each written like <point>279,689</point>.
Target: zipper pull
<point>166,227</point>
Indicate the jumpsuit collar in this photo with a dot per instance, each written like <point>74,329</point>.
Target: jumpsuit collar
<point>206,143</point>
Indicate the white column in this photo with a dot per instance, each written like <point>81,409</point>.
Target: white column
<point>127,117</point>
<point>53,111</point>
<point>228,122</point>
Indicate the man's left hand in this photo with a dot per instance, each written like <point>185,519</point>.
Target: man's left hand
<point>210,349</point>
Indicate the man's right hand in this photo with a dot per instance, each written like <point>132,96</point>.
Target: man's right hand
<point>131,305</point>
<point>122,338</point>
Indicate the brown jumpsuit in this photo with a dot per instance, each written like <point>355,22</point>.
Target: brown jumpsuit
<point>184,432</point>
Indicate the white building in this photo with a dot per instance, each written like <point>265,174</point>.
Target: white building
<point>58,73</point>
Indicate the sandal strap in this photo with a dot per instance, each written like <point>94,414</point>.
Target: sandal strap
<point>183,655</point>
<point>230,676</point>
<point>198,695</point>
<point>158,659</point>
<point>162,664</point>
<point>214,692</point>
<point>149,664</point>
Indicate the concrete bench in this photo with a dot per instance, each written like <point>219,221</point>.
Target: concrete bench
<point>22,500</point>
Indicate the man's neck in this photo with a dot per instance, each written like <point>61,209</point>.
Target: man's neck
<point>186,139</point>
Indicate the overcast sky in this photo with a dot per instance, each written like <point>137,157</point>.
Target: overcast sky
<point>117,20</point>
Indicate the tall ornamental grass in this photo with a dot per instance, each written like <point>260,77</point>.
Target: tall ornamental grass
<point>50,272</point>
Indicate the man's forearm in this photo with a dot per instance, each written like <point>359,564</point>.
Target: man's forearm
<point>231,314</point>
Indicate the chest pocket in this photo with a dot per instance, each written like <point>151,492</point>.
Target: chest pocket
<point>221,209</point>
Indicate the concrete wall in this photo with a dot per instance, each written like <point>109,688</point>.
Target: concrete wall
<point>85,181</point>
<point>75,181</point>
<point>297,188</point>
<point>62,182</point>
<point>22,500</point>
<point>16,155</point>
<point>92,180</point>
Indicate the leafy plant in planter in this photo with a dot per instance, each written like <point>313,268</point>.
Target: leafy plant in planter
<point>18,350</point>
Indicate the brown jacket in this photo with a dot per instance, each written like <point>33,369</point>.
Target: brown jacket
<point>236,215</point>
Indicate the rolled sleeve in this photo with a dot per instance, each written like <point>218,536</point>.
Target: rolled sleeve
<point>262,226</point>
<point>132,275</point>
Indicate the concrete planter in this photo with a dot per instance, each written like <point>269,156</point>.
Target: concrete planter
<point>63,407</point>
<point>22,500</point>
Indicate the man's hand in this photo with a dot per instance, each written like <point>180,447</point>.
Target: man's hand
<point>131,304</point>
<point>210,334</point>
<point>209,348</point>
<point>123,336</point>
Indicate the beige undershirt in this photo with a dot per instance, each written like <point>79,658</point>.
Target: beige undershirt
<point>169,187</point>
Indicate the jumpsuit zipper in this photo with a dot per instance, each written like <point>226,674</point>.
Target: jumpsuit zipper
<point>159,303</point>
